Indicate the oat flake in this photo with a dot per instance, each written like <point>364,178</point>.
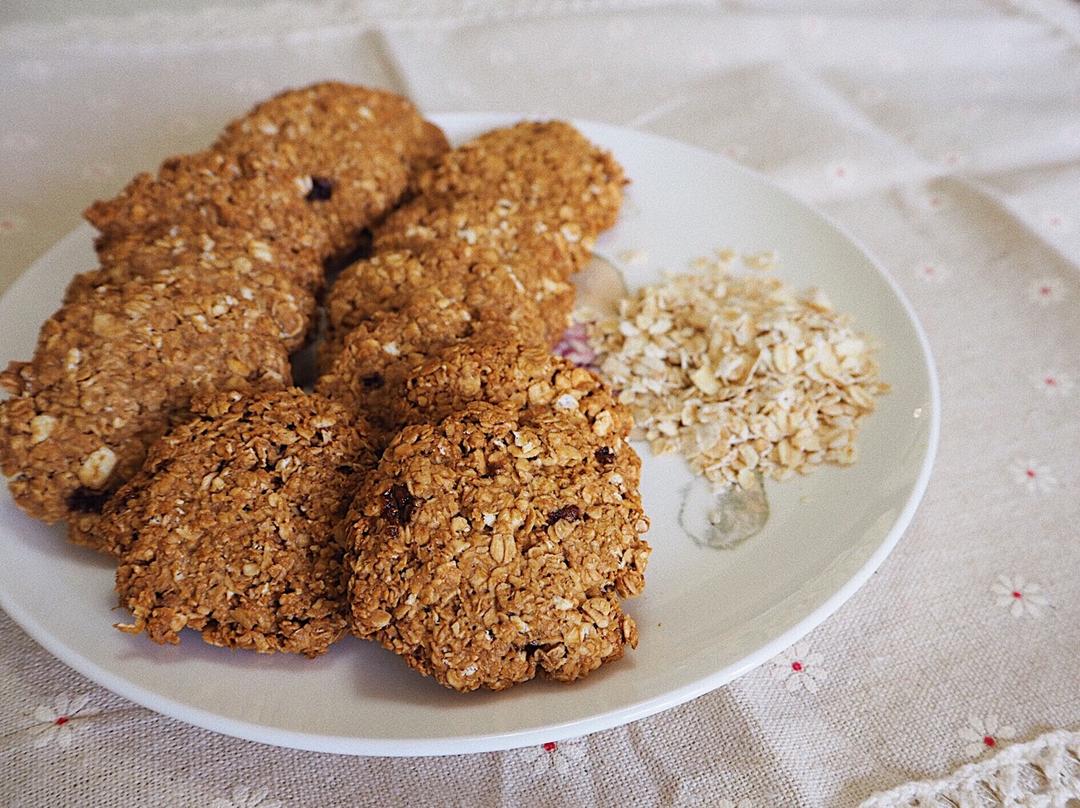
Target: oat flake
<point>739,374</point>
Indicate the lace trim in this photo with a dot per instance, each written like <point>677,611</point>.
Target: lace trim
<point>1042,772</point>
<point>287,20</point>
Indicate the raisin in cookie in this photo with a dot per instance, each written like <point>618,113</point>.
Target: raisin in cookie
<point>211,189</point>
<point>352,150</point>
<point>375,359</point>
<point>230,528</point>
<point>110,374</point>
<point>491,545</point>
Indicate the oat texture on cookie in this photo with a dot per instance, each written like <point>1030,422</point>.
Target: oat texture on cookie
<point>391,280</point>
<point>501,369</point>
<point>210,269</point>
<point>494,545</point>
<point>110,374</point>
<point>230,526</point>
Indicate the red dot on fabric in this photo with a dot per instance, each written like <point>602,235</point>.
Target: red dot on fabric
<point>989,740</point>
<point>550,746</point>
<point>1030,473</point>
<point>1050,380</point>
<point>1044,290</point>
<point>796,666</point>
<point>61,720</point>
<point>1017,594</point>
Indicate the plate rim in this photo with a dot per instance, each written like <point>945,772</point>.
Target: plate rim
<point>488,742</point>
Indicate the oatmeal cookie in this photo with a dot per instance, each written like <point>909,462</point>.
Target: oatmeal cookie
<point>351,148</point>
<point>310,168</point>
<point>211,189</point>
<point>291,307</point>
<point>145,252</point>
<point>491,545</point>
<point>230,528</point>
<point>482,227</point>
<point>514,375</point>
<point>369,370</point>
<point>316,118</point>
<point>110,374</point>
<point>549,168</point>
<point>390,281</point>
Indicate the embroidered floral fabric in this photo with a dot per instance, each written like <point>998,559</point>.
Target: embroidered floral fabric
<point>946,137</point>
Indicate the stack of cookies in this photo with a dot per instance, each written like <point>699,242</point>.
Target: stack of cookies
<point>209,274</point>
<point>451,488</point>
<point>503,521</point>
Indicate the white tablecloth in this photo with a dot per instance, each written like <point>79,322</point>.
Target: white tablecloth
<point>946,136</point>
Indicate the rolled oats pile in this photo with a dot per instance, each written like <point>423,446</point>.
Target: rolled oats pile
<point>739,374</point>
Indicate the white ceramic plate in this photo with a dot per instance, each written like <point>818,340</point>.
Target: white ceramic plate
<point>706,616</point>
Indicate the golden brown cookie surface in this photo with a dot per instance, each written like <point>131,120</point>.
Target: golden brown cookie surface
<point>310,123</point>
<point>310,168</point>
<point>549,168</point>
<point>391,281</point>
<point>488,546</point>
<point>369,370</point>
<point>230,527</point>
<point>203,248</point>
<point>511,374</point>
<point>230,270</point>
<point>110,374</point>
<point>211,189</point>
<point>483,226</point>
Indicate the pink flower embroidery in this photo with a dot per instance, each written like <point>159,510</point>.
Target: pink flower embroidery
<point>799,669</point>
<point>11,223</point>
<point>1057,221</point>
<point>1034,477</point>
<point>953,158</point>
<point>935,202</point>
<point>983,734</point>
<point>1021,597</point>
<point>735,151</point>
<point>932,272</point>
<point>56,722</point>
<point>562,756</point>
<point>1046,291</point>
<point>1054,383</point>
<point>840,175</point>
<point>812,26</point>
